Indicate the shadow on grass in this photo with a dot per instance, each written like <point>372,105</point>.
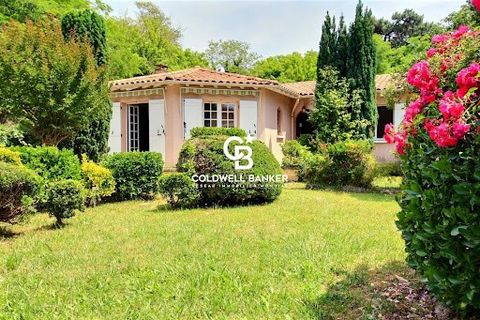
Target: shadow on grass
<point>7,233</point>
<point>391,292</point>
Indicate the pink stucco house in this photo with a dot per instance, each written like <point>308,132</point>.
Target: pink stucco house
<point>156,112</point>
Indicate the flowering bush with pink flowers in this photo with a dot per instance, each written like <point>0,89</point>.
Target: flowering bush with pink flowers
<point>439,145</point>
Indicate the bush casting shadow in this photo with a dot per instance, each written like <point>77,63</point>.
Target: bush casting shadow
<point>390,292</point>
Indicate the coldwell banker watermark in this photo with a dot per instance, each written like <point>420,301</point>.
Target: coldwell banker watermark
<point>242,157</point>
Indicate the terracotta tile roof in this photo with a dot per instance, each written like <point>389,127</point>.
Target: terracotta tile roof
<point>304,88</point>
<point>383,81</point>
<point>193,75</point>
<point>307,88</point>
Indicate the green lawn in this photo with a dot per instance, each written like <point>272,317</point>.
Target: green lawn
<point>299,258</point>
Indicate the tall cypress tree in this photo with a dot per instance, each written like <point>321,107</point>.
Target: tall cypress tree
<point>327,47</point>
<point>361,65</point>
<point>87,24</point>
<point>341,50</point>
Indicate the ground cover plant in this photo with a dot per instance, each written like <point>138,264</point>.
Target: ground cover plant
<point>132,260</point>
<point>439,144</point>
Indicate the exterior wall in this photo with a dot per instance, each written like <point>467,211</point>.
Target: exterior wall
<point>270,103</point>
<point>384,152</point>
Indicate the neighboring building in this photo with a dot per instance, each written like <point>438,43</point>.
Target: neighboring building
<point>156,112</point>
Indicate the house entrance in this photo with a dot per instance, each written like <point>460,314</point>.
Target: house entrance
<point>303,126</point>
<point>138,127</point>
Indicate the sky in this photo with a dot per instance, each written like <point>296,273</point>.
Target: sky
<point>272,27</point>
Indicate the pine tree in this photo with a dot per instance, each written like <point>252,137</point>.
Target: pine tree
<point>361,65</point>
<point>327,48</point>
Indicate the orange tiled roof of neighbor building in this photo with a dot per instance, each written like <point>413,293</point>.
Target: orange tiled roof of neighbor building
<point>188,76</point>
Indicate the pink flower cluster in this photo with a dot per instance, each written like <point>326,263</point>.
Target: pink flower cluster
<point>447,129</point>
<point>476,4</point>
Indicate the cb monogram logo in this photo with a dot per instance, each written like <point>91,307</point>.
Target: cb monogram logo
<point>240,153</point>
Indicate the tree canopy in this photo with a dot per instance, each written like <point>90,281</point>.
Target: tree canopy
<point>291,67</point>
<point>231,56</point>
<point>51,85</point>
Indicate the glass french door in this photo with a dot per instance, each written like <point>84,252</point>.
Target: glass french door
<point>133,128</point>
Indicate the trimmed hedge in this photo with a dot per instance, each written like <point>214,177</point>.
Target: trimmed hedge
<point>136,174</point>
<point>204,156</point>
<point>179,190</point>
<point>18,188</point>
<point>213,131</point>
<point>347,163</point>
<point>51,163</point>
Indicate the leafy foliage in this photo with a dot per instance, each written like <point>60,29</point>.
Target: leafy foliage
<point>361,66</point>
<point>231,56</point>
<point>18,188</point>
<point>179,190</point>
<point>439,144</point>
<point>98,181</point>
<point>9,156</point>
<point>212,131</point>
<point>136,174</point>
<point>93,140</point>
<point>404,25</point>
<point>336,116</point>
<point>11,135</point>
<point>204,156</point>
<point>294,154</point>
<point>137,45</point>
<point>291,67</point>
<point>354,56</point>
<point>465,16</point>
<point>346,163</point>
<point>63,198</point>
<point>50,85</point>
<point>51,163</point>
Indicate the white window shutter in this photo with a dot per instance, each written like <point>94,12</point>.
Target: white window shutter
<point>115,136</point>
<point>248,117</point>
<point>192,115</point>
<point>156,125</point>
<point>398,114</point>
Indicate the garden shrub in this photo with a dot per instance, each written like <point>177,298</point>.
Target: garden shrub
<point>18,188</point>
<point>11,135</point>
<point>98,181</point>
<point>179,190</point>
<point>10,156</point>
<point>63,198</point>
<point>346,163</point>
<point>439,146</point>
<point>136,174</point>
<point>389,169</point>
<point>50,162</point>
<point>204,156</point>
<point>213,131</point>
<point>294,154</point>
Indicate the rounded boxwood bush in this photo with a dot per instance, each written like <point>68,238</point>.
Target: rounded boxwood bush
<point>63,198</point>
<point>136,174</point>
<point>346,163</point>
<point>179,190</point>
<point>204,156</point>
<point>18,188</point>
<point>439,146</point>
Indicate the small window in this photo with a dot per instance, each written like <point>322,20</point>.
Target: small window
<point>385,116</point>
<point>228,115</point>
<point>219,115</point>
<point>210,115</point>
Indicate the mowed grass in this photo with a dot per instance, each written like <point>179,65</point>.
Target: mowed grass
<point>133,261</point>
